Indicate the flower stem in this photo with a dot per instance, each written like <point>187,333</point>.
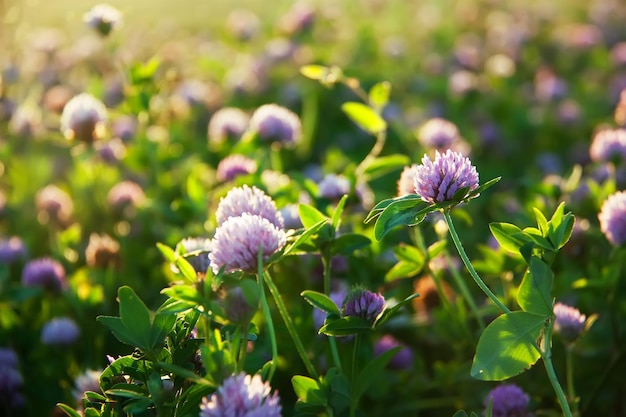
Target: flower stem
<point>331,339</point>
<point>469,266</point>
<point>289,323</point>
<point>569,369</point>
<point>381,137</point>
<point>546,355</point>
<point>355,359</point>
<point>268,317</point>
<point>460,282</point>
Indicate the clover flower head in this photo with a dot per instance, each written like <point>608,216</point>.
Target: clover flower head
<point>89,380</point>
<point>83,118</point>
<point>509,400</point>
<point>438,133</point>
<point>363,303</point>
<point>103,18</point>
<point>124,195</point>
<point>608,145</point>
<point>274,123</point>
<point>291,216</point>
<point>237,240</point>
<point>437,181</point>
<point>612,218</point>
<point>11,250</point>
<point>406,183</point>
<point>54,204</point>
<point>236,307</point>
<point>8,358</point>
<point>45,273</point>
<point>60,331</point>
<point>250,200</point>
<point>233,166</point>
<point>403,359</point>
<point>196,251</point>
<point>333,186</point>
<point>242,396</point>
<point>102,251</point>
<point>569,322</point>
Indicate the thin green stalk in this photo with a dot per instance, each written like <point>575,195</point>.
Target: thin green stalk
<point>355,360</point>
<point>268,317</point>
<point>291,328</point>
<point>569,375</point>
<point>546,355</point>
<point>468,264</point>
<point>381,137</point>
<point>460,282</point>
<point>331,339</point>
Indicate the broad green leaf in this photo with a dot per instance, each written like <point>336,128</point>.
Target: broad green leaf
<point>321,301</point>
<point>167,252</point>
<point>409,253</point>
<point>135,316</point>
<point>308,390</point>
<point>91,412</point>
<point>125,365</point>
<point>137,406</point>
<point>184,373</point>
<point>386,164</point>
<point>120,331</point>
<point>534,293</point>
<point>537,238</point>
<point>172,306</point>
<point>142,73</point>
<point>304,237</point>
<point>373,371</point>
<point>339,211</point>
<point>94,396</point>
<point>134,391</point>
<point>340,396</point>
<point>314,72</point>
<point>345,326</point>
<point>509,236</point>
<point>508,346</point>
<point>436,248</point>
<point>403,269</point>
<point>561,232</point>
<point>388,312</point>
<point>68,410</point>
<point>186,269</point>
<point>162,325</point>
<point>184,293</point>
<point>401,213</point>
<point>309,215</point>
<point>365,117</point>
<point>382,205</point>
<point>542,222</point>
<point>348,243</point>
<point>379,95</point>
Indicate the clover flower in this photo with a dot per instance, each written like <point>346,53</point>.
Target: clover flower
<point>10,380</point>
<point>236,307</point>
<point>125,196</point>
<point>103,18</point>
<point>612,218</point>
<point>45,273</point>
<point>438,133</point>
<point>509,400</point>
<point>227,123</point>
<point>60,331</point>
<point>333,187</point>
<point>89,380</point>
<point>11,250</point>
<point>403,359</point>
<point>363,303</point>
<point>233,166</point>
<point>406,183</point>
<point>8,358</point>
<point>196,250</point>
<point>250,200</point>
<point>242,395</point>
<point>237,240</point>
<point>54,204</point>
<point>437,181</point>
<point>274,123</point>
<point>83,118</point>
<point>102,251</point>
<point>608,145</point>
<point>569,323</point>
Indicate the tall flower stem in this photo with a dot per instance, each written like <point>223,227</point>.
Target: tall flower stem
<point>546,355</point>
<point>291,328</point>
<point>460,282</point>
<point>569,369</point>
<point>268,316</point>
<point>468,264</point>
<point>381,138</point>
<point>355,359</point>
<point>331,339</point>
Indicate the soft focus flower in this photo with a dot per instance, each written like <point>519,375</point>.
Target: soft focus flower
<point>111,151</point>
<point>237,240</point>
<point>243,24</point>
<point>363,303</point>
<point>509,400</point>
<point>83,118</point>
<point>613,218</point>
<point>236,307</point>
<point>8,358</point>
<point>54,204</point>
<point>195,250</point>
<point>125,196</point>
<point>11,250</point>
<point>242,396</point>
<point>250,200</point>
<point>608,145</point>
<point>102,251</point>
<point>89,380</point>
<point>406,183</point>
<point>10,380</point>
<point>437,181</point>
<point>60,331</point>
<point>103,18</point>
<point>569,323</point>
<point>299,18</point>
<point>403,359</point>
<point>291,216</point>
<point>438,133</point>
<point>429,298</point>
<point>274,123</point>
<point>333,187</point>
<point>227,123</point>
<point>44,272</point>
<point>233,166</point>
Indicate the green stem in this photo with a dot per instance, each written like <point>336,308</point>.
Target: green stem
<point>381,137</point>
<point>469,266</point>
<point>569,369</point>
<point>546,355</point>
<point>331,339</point>
<point>460,282</point>
<point>268,317</point>
<point>291,328</point>
<point>355,359</point>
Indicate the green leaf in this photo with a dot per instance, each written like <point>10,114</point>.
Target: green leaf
<point>91,412</point>
<point>184,293</point>
<point>534,293</point>
<point>436,248</point>
<point>561,227</point>
<point>308,390</point>
<point>508,346</point>
<point>534,235</point>
<point>68,410</point>
<point>184,373</point>
<point>167,252</point>
<point>401,213</point>
<point>338,212</point>
<point>135,316</point>
<point>133,391</point>
<point>304,237</point>
<point>348,243</point>
<point>162,325</point>
<point>386,164</point>
<point>380,207</point>
<point>388,312</point>
<point>144,73</point>
<point>409,253</point>
<point>120,331</point>
<point>542,222</point>
<point>309,215</point>
<point>321,301</point>
<point>137,406</point>
<point>482,188</point>
<point>379,95</point>
<point>509,236</point>
<point>325,75</point>
<point>365,117</point>
<point>185,268</point>
<point>372,372</point>
<point>460,413</point>
<point>403,269</point>
<point>345,326</point>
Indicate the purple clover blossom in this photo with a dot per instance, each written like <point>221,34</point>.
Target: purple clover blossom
<point>233,166</point>
<point>406,183</point>
<point>83,118</point>
<point>103,18</point>
<point>60,331</point>
<point>11,250</point>
<point>438,133</point>
<point>274,123</point>
<point>403,359</point>
<point>242,396</point>
<point>569,322</point>
<point>195,250</point>
<point>363,303</point>
<point>608,145</point>
<point>237,240</point>
<point>125,196</point>
<point>8,358</point>
<point>89,380</point>
<point>236,307</point>
<point>509,400</point>
<point>612,218</point>
<point>54,204</point>
<point>437,181</point>
<point>45,273</point>
<point>333,187</point>
<point>250,200</point>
